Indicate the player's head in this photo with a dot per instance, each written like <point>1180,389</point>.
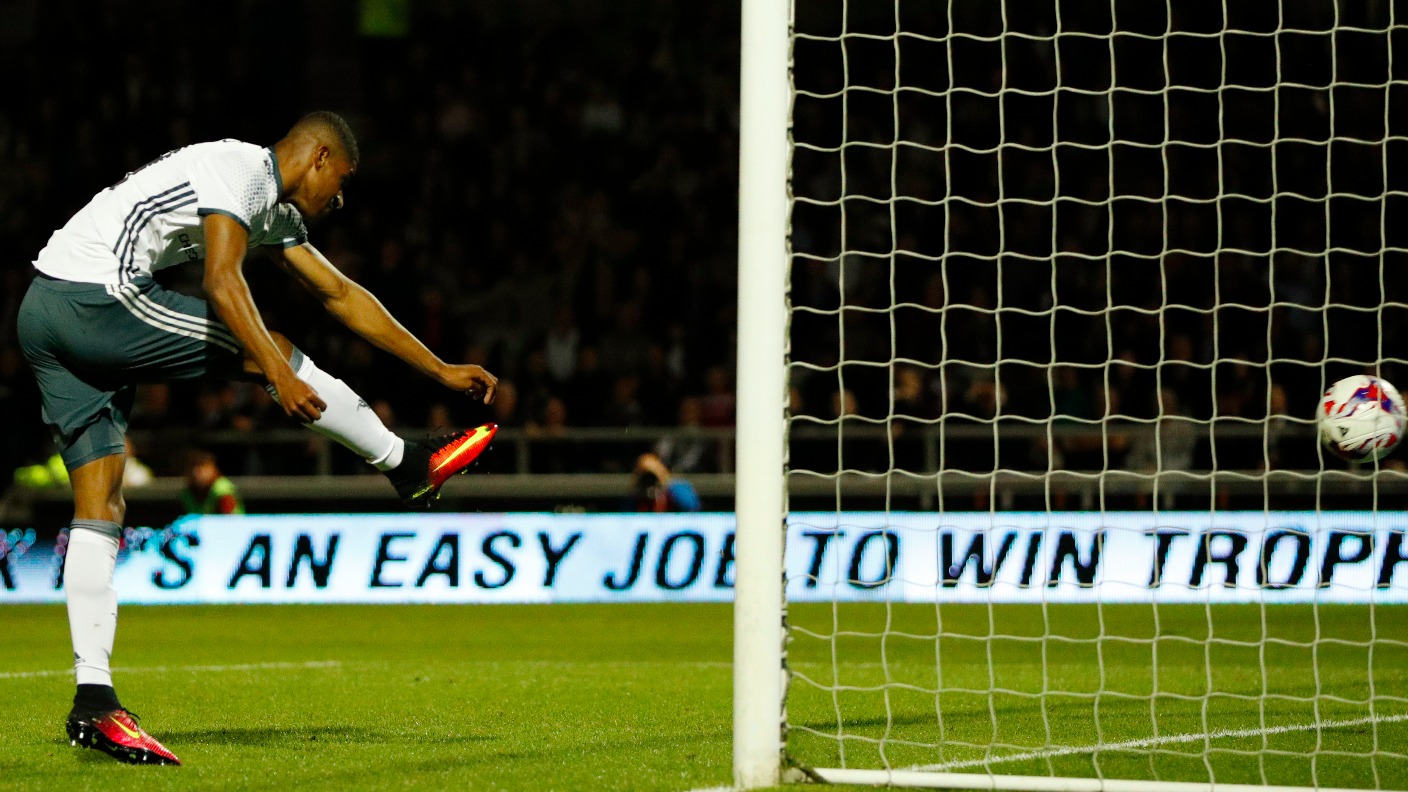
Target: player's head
<point>317,157</point>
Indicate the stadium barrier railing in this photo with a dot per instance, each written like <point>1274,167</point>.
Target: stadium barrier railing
<point>518,481</point>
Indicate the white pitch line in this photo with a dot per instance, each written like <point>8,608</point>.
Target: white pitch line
<point>178,669</point>
<point>1154,742</point>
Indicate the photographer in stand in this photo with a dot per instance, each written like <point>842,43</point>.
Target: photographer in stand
<point>655,489</point>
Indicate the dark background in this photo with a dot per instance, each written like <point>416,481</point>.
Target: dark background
<point>523,170</point>
<point>1043,214</point>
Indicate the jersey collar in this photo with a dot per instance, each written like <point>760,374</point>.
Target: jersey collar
<point>278,177</point>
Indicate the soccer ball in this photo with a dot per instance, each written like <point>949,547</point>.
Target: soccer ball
<point>1361,418</point>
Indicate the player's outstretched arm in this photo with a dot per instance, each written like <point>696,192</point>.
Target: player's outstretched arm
<point>364,314</point>
<point>225,245</point>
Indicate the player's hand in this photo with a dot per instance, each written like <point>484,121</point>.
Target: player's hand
<point>298,399</point>
<point>470,379</point>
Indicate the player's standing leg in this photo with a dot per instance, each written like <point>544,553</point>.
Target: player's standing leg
<point>94,538</point>
<point>98,719</point>
<point>77,339</point>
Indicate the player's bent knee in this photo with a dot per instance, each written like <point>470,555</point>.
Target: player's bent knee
<point>281,341</point>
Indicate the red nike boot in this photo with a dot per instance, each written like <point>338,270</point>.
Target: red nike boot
<point>117,734</point>
<point>426,466</point>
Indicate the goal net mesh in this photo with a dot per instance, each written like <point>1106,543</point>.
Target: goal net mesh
<point>1067,280</point>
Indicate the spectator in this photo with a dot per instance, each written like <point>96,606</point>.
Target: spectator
<point>686,452</point>
<point>1166,446</point>
<point>507,411</point>
<point>716,406</point>
<point>586,395</point>
<point>655,489</point>
<point>625,347</point>
<point>624,408</point>
<point>550,453</point>
<point>561,343</point>
<point>135,472</point>
<point>207,490</point>
<point>659,389</point>
<point>914,410</point>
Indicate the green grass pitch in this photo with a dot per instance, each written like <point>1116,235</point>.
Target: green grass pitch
<point>638,697</point>
<point>1236,691</point>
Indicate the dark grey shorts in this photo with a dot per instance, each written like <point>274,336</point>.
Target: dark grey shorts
<point>90,344</point>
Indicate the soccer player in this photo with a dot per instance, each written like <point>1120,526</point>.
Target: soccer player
<point>94,323</point>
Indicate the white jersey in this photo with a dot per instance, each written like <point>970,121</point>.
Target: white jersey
<point>151,220</point>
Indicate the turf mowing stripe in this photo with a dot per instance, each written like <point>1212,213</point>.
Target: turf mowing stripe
<point>174,669</point>
<point>1153,742</point>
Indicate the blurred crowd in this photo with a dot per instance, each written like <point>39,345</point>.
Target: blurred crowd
<point>1172,225</point>
<point>1035,229</point>
<point>550,202</point>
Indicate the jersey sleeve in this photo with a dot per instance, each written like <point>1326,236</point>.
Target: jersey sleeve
<point>287,229</point>
<point>232,183</point>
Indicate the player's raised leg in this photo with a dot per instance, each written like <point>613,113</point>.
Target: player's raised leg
<point>416,469</point>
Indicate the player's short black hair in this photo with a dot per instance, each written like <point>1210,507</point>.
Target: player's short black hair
<point>332,124</point>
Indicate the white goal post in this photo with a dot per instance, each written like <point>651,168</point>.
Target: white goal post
<point>1035,300</point>
<point>765,103</point>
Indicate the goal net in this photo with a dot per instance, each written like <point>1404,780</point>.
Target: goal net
<point>1064,283</point>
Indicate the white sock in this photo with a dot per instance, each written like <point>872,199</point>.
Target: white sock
<point>92,599</point>
<point>348,419</point>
